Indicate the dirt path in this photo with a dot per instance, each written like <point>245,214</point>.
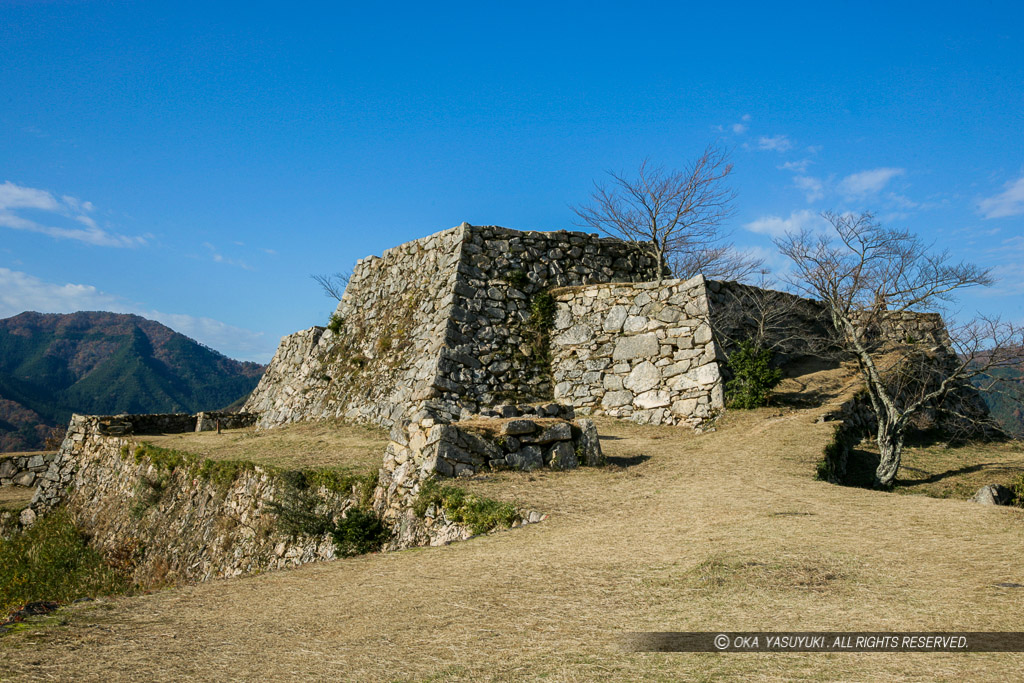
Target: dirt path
<point>722,531</point>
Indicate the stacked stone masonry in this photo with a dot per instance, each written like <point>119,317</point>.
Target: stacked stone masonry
<point>438,327</point>
<point>382,360</point>
<point>179,526</point>
<point>641,351</point>
<point>419,451</point>
<point>23,469</point>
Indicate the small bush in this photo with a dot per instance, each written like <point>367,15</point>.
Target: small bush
<point>301,510</point>
<point>1018,490</point>
<point>359,532</point>
<point>334,324</point>
<point>50,560</point>
<point>479,514</point>
<point>753,376</point>
<point>542,311</point>
<point>148,494</point>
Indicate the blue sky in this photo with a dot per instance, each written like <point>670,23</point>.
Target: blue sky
<point>195,163</point>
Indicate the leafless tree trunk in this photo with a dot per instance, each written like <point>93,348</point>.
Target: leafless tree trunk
<point>677,212</point>
<point>867,276</point>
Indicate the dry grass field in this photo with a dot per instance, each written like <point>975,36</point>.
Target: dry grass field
<point>15,497</point>
<point>302,445</point>
<point>726,530</point>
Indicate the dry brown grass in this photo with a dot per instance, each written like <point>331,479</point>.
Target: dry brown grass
<point>296,446</point>
<point>944,471</point>
<point>15,497</point>
<point>720,531</point>
<point>11,454</point>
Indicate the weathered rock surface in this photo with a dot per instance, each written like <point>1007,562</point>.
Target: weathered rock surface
<point>993,494</point>
<point>439,326</point>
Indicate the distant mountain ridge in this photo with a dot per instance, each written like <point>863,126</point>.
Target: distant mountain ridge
<point>52,365</point>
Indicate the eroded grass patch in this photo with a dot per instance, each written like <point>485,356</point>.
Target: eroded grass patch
<point>737,573</point>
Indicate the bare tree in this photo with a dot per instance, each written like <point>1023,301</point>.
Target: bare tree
<point>867,276</point>
<point>677,212</point>
<point>333,284</point>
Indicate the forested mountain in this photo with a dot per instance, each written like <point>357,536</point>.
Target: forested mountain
<point>1004,403</point>
<point>52,365</point>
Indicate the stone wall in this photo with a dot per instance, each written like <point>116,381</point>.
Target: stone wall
<point>640,351</point>
<point>783,322</point>
<point>179,523</point>
<point>494,352</point>
<point>23,469</point>
<point>215,420</point>
<point>438,327</point>
<point>382,361</point>
<point>417,451</point>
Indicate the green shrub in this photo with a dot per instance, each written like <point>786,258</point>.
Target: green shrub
<point>1018,490</point>
<point>301,510</point>
<point>334,324</point>
<point>542,311</point>
<point>517,279</point>
<point>148,493</point>
<point>358,532</point>
<point>479,514</point>
<point>753,376</point>
<point>50,560</point>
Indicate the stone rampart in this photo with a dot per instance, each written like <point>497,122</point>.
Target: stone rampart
<point>23,469</point>
<point>438,327</point>
<point>494,351</point>
<point>192,519</point>
<point>382,360</point>
<point>642,351</point>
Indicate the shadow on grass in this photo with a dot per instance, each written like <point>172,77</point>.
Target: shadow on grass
<point>943,475</point>
<point>627,460</point>
<point>860,471</point>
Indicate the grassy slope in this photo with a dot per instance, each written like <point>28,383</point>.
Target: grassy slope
<point>722,531</point>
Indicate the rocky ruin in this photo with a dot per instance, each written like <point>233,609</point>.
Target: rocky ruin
<point>480,348</point>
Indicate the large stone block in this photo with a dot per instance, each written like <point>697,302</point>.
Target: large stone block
<point>637,346</point>
<point>643,377</point>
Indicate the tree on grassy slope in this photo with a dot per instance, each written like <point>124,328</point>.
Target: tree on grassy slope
<point>866,275</point>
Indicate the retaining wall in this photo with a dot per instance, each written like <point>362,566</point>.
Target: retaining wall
<point>438,327</point>
<point>643,351</point>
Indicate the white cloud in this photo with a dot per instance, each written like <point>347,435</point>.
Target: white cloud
<point>738,128</point>
<point>777,226</point>
<point>220,258</point>
<point>1009,202</point>
<point>812,187</point>
<point>795,166</point>
<point>778,143</point>
<point>21,292</point>
<point>15,199</point>
<point>868,182</point>
<point>236,342</point>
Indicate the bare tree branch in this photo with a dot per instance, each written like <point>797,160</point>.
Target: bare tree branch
<point>333,284</point>
<point>677,212</point>
<point>872,280</point>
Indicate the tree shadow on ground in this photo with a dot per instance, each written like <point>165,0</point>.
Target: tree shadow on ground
<point>861,466</point>
<point>627,460</point>
<point>939,476</point>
